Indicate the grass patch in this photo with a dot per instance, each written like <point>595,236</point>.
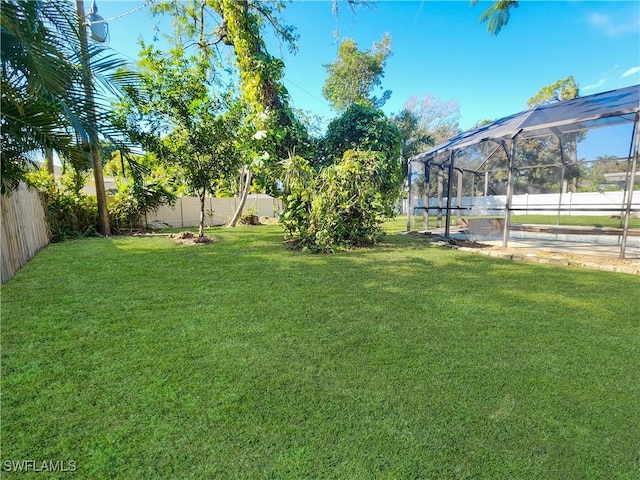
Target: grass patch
<point>140,358</point>
<point>577,220</point>
<point>399,223</point>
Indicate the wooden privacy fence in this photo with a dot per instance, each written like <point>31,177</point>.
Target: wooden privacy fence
<point>218,211</point>
<point>24,229</point>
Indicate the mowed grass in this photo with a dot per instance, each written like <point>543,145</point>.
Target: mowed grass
<point>577,220</point>
<point>399,223</point>
<point>137,358</point>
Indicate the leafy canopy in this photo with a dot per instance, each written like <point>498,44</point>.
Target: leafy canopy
<point>497,15</point>
<point>354,75</point>
<point>361,127</point>
<point>180,117</point>
<point>565,89</point>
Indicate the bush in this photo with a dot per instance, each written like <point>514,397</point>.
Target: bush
<point>342,207</point>
<point>70,214</point>
<point>133,201</point>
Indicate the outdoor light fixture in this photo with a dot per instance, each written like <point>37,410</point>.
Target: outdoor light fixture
<point>98,26</point>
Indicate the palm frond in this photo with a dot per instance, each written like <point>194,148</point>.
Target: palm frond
<point>44,95</point>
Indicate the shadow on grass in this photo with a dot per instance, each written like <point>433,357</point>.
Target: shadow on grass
<point>400,360</point>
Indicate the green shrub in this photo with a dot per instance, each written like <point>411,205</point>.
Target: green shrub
<point>70,214</point>
<point>133,201</point>
<point>342,207</point>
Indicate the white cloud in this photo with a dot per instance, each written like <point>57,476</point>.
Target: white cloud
<point>616,26</point>
<point>598,84</point>
<point>598,19</point>
<point>631,71</point>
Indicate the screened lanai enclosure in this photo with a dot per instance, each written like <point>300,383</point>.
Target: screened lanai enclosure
<point>557,176</point>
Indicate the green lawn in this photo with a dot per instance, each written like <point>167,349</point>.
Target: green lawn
<point>578,220</point>
<point>137,358</point>
<point>400,222</point>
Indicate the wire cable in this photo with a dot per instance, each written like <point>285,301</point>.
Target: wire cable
<point>307,92</point>
<point>146,4</point>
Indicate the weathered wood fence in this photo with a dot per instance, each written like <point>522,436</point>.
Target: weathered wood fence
<point>24,229</point>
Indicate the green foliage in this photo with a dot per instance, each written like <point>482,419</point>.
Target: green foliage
<point>133,201</point>
<point>44,101</point>
<point>415,137</point>
<point>593,176</point>
<point>38,81</point>
<point>497,15</point>
<point>565,89</point>
<point>342,206</point>
<point>138,195</point>
<point>300,189</point>
<point>70,213</point>
<point>249,216</point>
<point>360,127</point>
<point>542,156</point>
<point>355,74</point>
<point>179,117</point>
<point>265,101</point>
<point>261,88</point>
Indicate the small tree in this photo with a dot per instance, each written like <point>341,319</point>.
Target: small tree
<point>178,117</point>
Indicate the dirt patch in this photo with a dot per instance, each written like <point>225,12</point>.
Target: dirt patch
<point>189,238</point>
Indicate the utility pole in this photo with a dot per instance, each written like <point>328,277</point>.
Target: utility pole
<point>94,147</point>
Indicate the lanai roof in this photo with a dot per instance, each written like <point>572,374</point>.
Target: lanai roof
<point>598,110</point>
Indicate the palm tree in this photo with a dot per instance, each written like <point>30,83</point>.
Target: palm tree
<point>44,102</point>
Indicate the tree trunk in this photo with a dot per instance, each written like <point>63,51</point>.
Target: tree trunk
<point>48,153</point>
<point>101,196</point>
<point>243,199</point>
<point>202,199</point>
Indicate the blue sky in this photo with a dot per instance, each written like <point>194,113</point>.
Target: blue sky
<point>440,48</point>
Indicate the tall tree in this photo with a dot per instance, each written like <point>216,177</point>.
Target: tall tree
<point>539,151</point>
<point>415,137</point>
<point>425,122</point>
<point>361,127</point>
<point>270,125</point>
<point>438,119</point>
<point>354,75</point>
